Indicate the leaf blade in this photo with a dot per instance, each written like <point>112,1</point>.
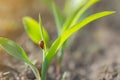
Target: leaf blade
<point>77,14</point>
<point>33,29</point>
<point>13,49</point>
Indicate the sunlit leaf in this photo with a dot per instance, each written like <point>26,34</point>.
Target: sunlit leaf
<point>41,33</point>
<point>33,29</point>
<point>72,5</point>
<point>59,42</point>
<point>72,20</point>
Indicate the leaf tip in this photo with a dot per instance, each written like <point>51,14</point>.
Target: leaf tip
<point>111,12</point>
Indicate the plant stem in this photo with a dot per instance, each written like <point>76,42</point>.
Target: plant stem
<point>44,66</point>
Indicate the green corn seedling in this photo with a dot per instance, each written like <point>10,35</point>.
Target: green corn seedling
<point>67,26</point>
<point>74,12</point>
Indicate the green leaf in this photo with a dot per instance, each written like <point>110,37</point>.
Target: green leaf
<point>16,51</point>
<point>59,42</point>
<point>33,29</point>
<point>59,17</point>
<point>41,32</point>
<point>72,20</point>
<point>13,49</point>
<point>41,28</point>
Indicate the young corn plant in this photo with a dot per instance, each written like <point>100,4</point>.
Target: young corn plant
<point>73,12</point>
<point>38,34</point>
